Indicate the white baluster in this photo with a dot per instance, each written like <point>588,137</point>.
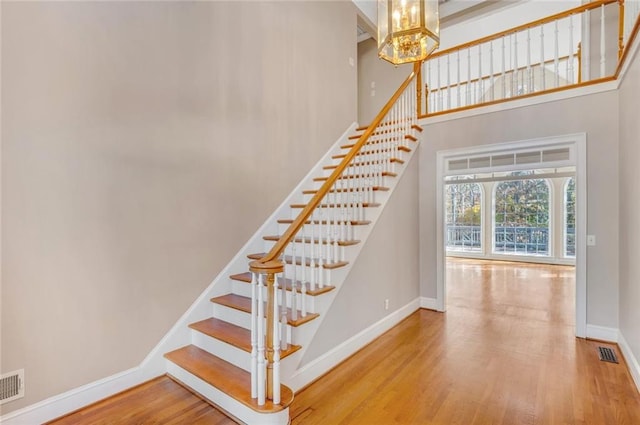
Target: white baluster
<point>312,259</point>
<point>282,317</point>
<point>543,69</point>
<point>504,71</point>
<point>493,77</point>
<point>556,57</point>
<point>294,296</point>
<point>515,90</point>
<point>303,256</point>
<point>439,86</point>
<point>481,98</point>
<point>254,336</point>
<point>529,87</point>
<point>570,77</point>
<point>276,344</point>
<point>468,76</point>
<point>448,82</point>
<point>303,299</point>
<point>261,378</point>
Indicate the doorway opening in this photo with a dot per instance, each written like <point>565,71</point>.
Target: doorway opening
<point>509,204</point>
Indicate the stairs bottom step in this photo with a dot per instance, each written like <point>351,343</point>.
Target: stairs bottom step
<point>225,385</point>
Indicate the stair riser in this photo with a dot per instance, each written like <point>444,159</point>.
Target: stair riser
<point>244,289</point>
<point>229,353</point>
<point>242,319</point>
<point>231,315</point>
<point>225,402</point>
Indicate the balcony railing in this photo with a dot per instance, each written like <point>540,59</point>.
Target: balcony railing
<point>543,56</point>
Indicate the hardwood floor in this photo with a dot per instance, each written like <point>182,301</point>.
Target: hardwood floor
<point>159,401</point>
<point>504,353</point>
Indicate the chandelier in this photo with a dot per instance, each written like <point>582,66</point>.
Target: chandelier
<point>408,30</point>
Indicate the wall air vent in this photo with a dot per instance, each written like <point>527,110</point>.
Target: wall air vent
<point>11,386</point>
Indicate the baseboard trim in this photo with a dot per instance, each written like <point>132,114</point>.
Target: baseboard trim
<point>602,333</point>
<point>74,399</point>
<point>429,303</point>
<point>323,364</point>
<point>632,362</point>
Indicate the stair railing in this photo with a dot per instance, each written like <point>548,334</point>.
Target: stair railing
<point>538,57</point>
<point>302,258</point>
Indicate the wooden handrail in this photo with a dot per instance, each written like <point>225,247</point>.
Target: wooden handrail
<point>270,260</point>
<point>542,21</point>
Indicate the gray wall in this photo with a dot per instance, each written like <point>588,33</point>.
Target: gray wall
<point>373,280</point>
<point>630,208</point>
<point>387,79</point>
<point>137,141</point>
<point>597,116</point>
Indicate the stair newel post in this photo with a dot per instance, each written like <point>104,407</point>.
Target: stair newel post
<point>254,337</point>
<point>267,329</point>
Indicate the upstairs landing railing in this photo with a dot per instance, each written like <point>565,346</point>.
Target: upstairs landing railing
<point>302,259</point>
<point>580,46</point>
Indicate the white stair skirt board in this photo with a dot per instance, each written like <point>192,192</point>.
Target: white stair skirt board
<point>630,359</point>
<point>602,333</point>
<point>429,303</point>
<point>226,402</point>
<point>318,367</point>
<point>155,364</point>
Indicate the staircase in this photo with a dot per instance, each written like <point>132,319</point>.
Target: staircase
<point>218,361</point>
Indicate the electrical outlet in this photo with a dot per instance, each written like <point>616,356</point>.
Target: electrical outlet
<point>591,240</point>
<point>386,304</point>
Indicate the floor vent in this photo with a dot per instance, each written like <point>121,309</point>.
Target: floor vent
<point>607,355</point>
<point>11,386</point>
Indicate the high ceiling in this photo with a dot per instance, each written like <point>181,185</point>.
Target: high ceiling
<point>451,12</point>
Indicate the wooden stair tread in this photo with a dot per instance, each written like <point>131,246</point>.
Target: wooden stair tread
<point>353,222</point>
<point>275,238</point>
<point>238,302</point>
<point>364,204</point>
<point>233,335</point>
<point>226,377</point>
<point>287,259</point>
<point>314,191</point>
<point>384,173</point>
<point>246,277</point>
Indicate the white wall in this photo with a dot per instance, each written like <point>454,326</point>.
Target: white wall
<point>594,114</point>
<point>137,142</point>
<point>385,77</point>
<point>630,208</point>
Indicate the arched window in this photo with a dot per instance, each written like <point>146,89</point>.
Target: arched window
<point>570,218</point>
<point>464,216</point>
<point>521,217</point>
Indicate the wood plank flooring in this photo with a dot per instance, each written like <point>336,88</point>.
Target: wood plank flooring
<point>159,401</point>
<point>504,353</point>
